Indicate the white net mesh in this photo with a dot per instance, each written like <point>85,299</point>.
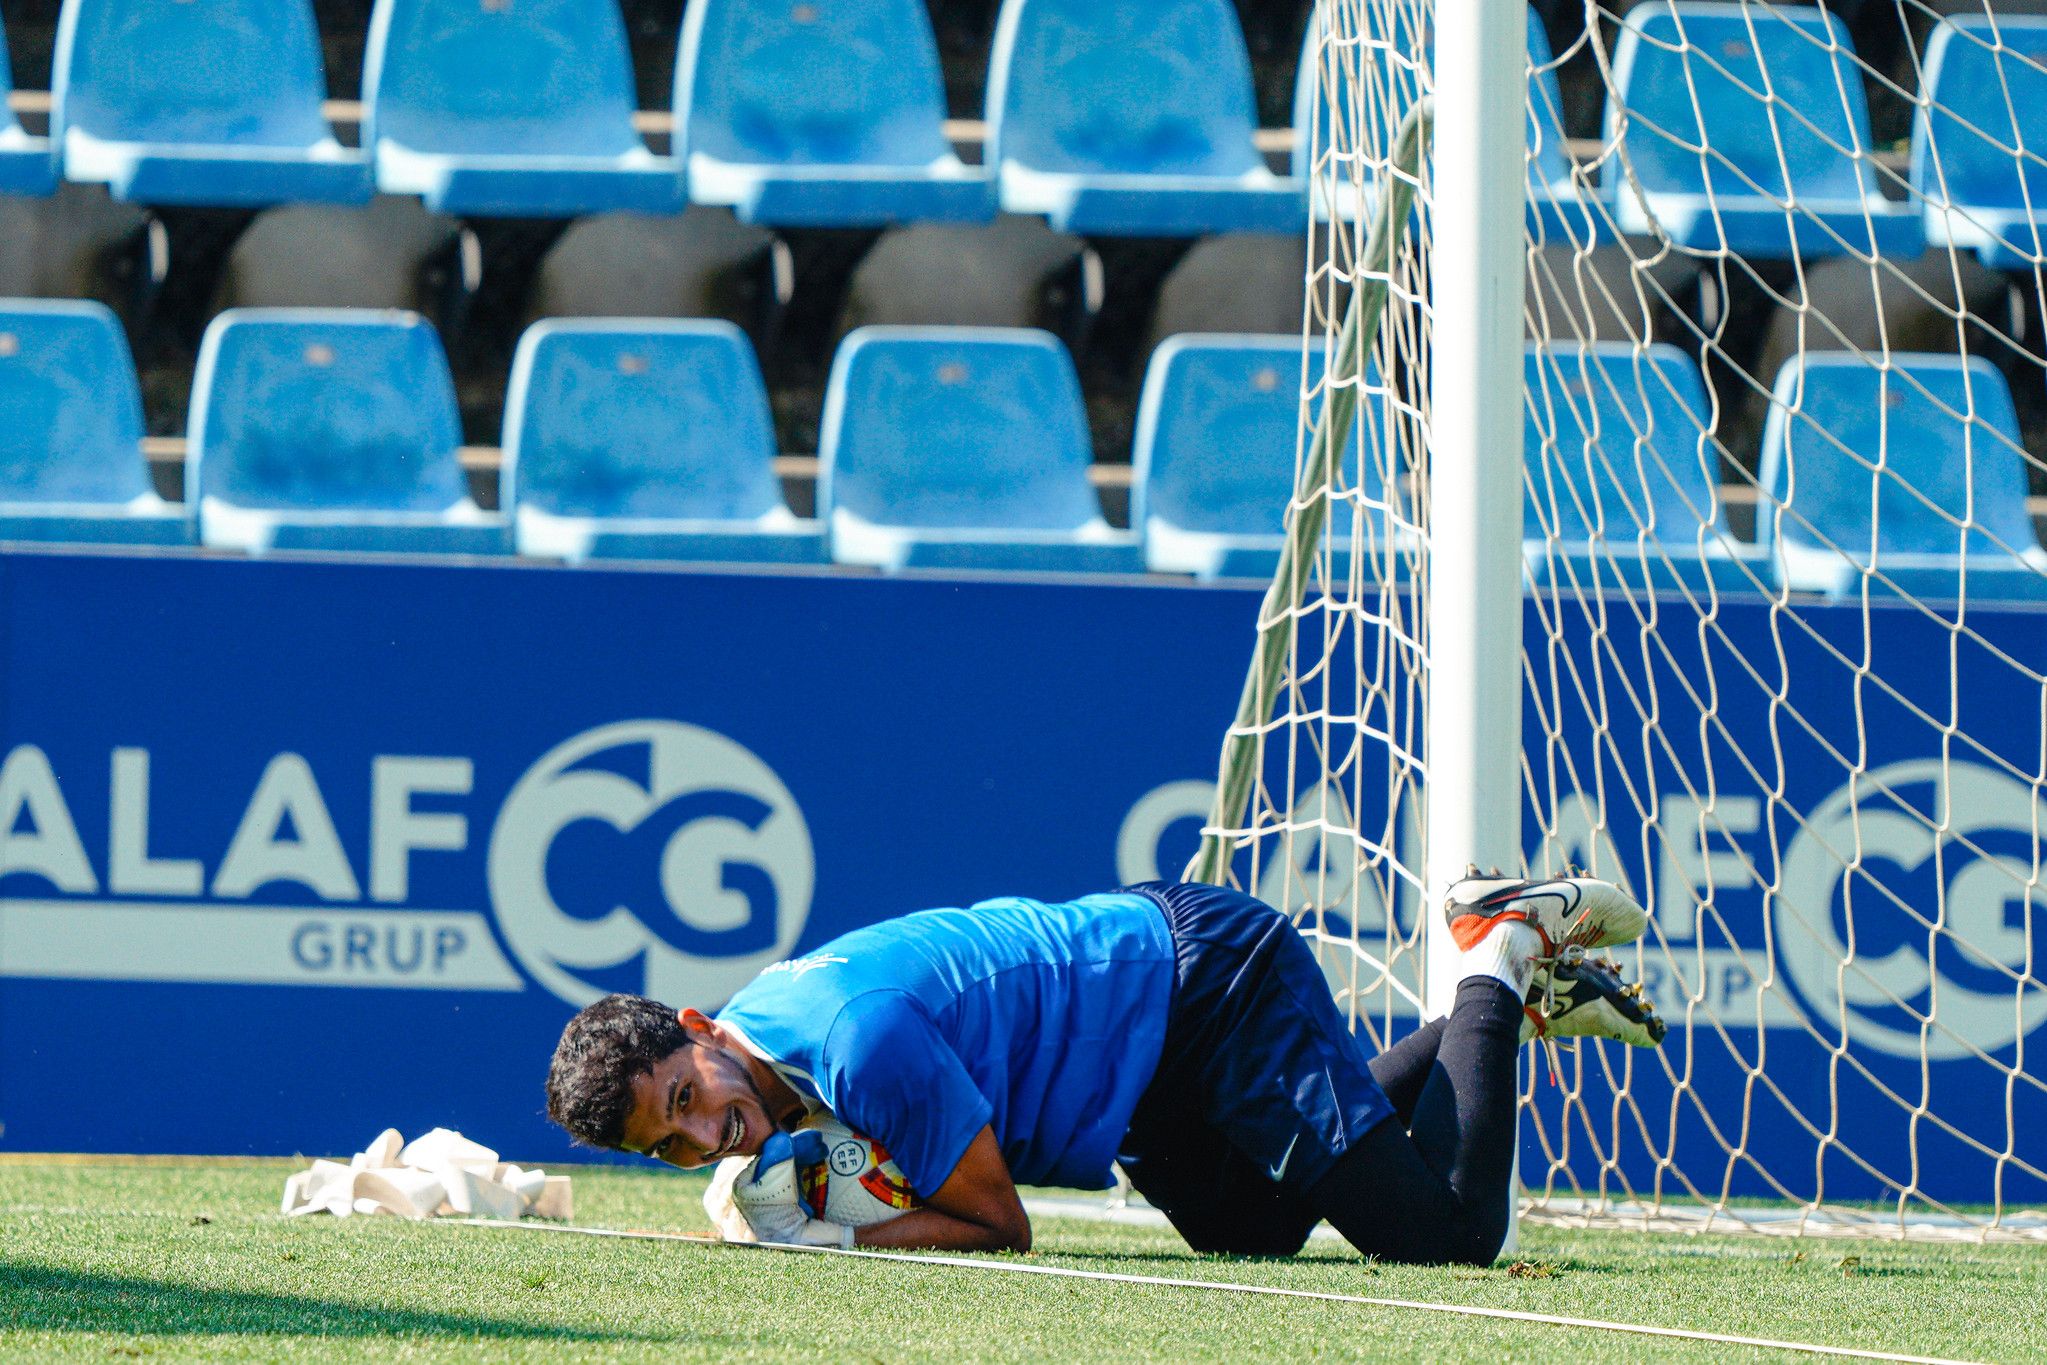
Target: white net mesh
<point>1784,651</point>
<point>1333,831</point>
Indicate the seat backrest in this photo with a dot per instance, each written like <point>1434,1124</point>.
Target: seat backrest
<point>535,77</point>
<point>639,418</point>
<point>1095,86</point>
<point>1380,59</point>
<point>1928,431</point>
<point>1549,157</point>
<point>227,72</point>
<point>337,409</point>
<point>1615,441</point>
<point>965,427</point>
<point>1775,87</point>
<point>824,82</point>
<point>70,411</point>
<point>1347,53</point>
<point>1986,86</point>
<point>1219,434</point>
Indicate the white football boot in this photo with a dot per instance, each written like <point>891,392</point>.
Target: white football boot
<point>1586,997</point>
<point>1565,911</point>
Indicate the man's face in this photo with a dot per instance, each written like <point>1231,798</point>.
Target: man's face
<point>699,1104</point>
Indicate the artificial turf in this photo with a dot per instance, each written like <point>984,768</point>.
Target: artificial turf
<point>102,1259</point>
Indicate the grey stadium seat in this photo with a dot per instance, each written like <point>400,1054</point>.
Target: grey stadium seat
<point>701,263</point>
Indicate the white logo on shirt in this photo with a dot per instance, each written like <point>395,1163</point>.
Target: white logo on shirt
<point>797,966</point>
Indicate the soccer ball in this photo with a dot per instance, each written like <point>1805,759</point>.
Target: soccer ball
<point>855,1184</point>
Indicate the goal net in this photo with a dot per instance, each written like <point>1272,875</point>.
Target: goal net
<point>1782,667</point>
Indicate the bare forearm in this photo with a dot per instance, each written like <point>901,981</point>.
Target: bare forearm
<point>930,1229</point>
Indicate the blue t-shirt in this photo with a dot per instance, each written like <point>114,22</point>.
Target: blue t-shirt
<point>1045,1021</point>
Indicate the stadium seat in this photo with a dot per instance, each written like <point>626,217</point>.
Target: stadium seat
<point>1628,290</point>
<point>1623,473</point>
<point>645,439</point>
<point>961,447</point>
<point>700,263</point>
<point>390,253</point>
<point>1014,272</point>
<point>1694,73</point>
<point>1937,435</point>
<point>1245,283</point>
<point>1218,439</point>
<point>1130,118</point>
<point>822,114</point>
<point>496,109</point>
<point>1560,210</point>
<point>1977,143</point>
<point>1382,65</point>
<point>71,465</point>
<point>27,165</point>
<point>78,243</point>
<point>329,429</point>
<point>1941,301</point>
<point>212,104</point>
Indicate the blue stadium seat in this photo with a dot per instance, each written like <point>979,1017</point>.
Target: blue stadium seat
<point>644,439</point>
<point>215,104</point>
<point>71,464</point>
<point>26,163</point>
<point>1932,437</point>
<point>1381,63</point>
<point>329,429</point>
<point>1130,118</point>
<point>961,447</point>
<point>1736,195</point>
<point>822,114</point>
<point>1980,191</point>
<point>1218,436</point>
<point>490,108</point>
<point>1559,208</point>
<point>1623,473</point>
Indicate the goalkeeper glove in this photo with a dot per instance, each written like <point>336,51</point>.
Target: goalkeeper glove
<point>767,1200</point>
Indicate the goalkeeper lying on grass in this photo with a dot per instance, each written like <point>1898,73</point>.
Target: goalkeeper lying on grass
<point>1185,1031</point>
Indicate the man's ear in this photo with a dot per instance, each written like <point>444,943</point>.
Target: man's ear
<point>696,1023</point>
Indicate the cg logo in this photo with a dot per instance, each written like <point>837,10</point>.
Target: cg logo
<point>1969,972</point>
<point>650,856</point>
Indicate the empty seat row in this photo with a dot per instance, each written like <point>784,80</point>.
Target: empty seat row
<point>335,430</point>
<point>1733,127</point>
<point>1910,470</point>
<point>1112,116</point>
<point>966,448</point>
<point>1740,129</point>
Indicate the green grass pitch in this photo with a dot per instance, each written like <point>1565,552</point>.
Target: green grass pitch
<point>108,1260</point>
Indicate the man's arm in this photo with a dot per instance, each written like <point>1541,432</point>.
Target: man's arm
<point>976,1209</point>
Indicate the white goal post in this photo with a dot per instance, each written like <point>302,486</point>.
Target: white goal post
<point>1670,476</point>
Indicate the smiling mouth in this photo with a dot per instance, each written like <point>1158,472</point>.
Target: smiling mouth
<point>735,1133</point>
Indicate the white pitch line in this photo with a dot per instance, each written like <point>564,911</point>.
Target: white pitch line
<point>1168,1282</point>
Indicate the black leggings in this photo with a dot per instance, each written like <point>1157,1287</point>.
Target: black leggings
<point>1431,1185</point>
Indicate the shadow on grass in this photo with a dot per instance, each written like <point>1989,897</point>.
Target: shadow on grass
<point>44,1298</point>
<point>1195,1260</point>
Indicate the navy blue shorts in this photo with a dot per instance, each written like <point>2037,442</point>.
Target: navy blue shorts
<point>1260,1086</point>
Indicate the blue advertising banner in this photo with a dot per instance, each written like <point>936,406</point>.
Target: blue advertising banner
<point>291,851</point>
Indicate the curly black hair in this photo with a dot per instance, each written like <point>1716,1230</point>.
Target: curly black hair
<point>602,1050</point>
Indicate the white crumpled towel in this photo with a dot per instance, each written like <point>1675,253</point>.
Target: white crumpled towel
<point>441,1172</point>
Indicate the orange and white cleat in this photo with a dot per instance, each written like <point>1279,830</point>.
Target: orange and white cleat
<point>1584,912</point>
